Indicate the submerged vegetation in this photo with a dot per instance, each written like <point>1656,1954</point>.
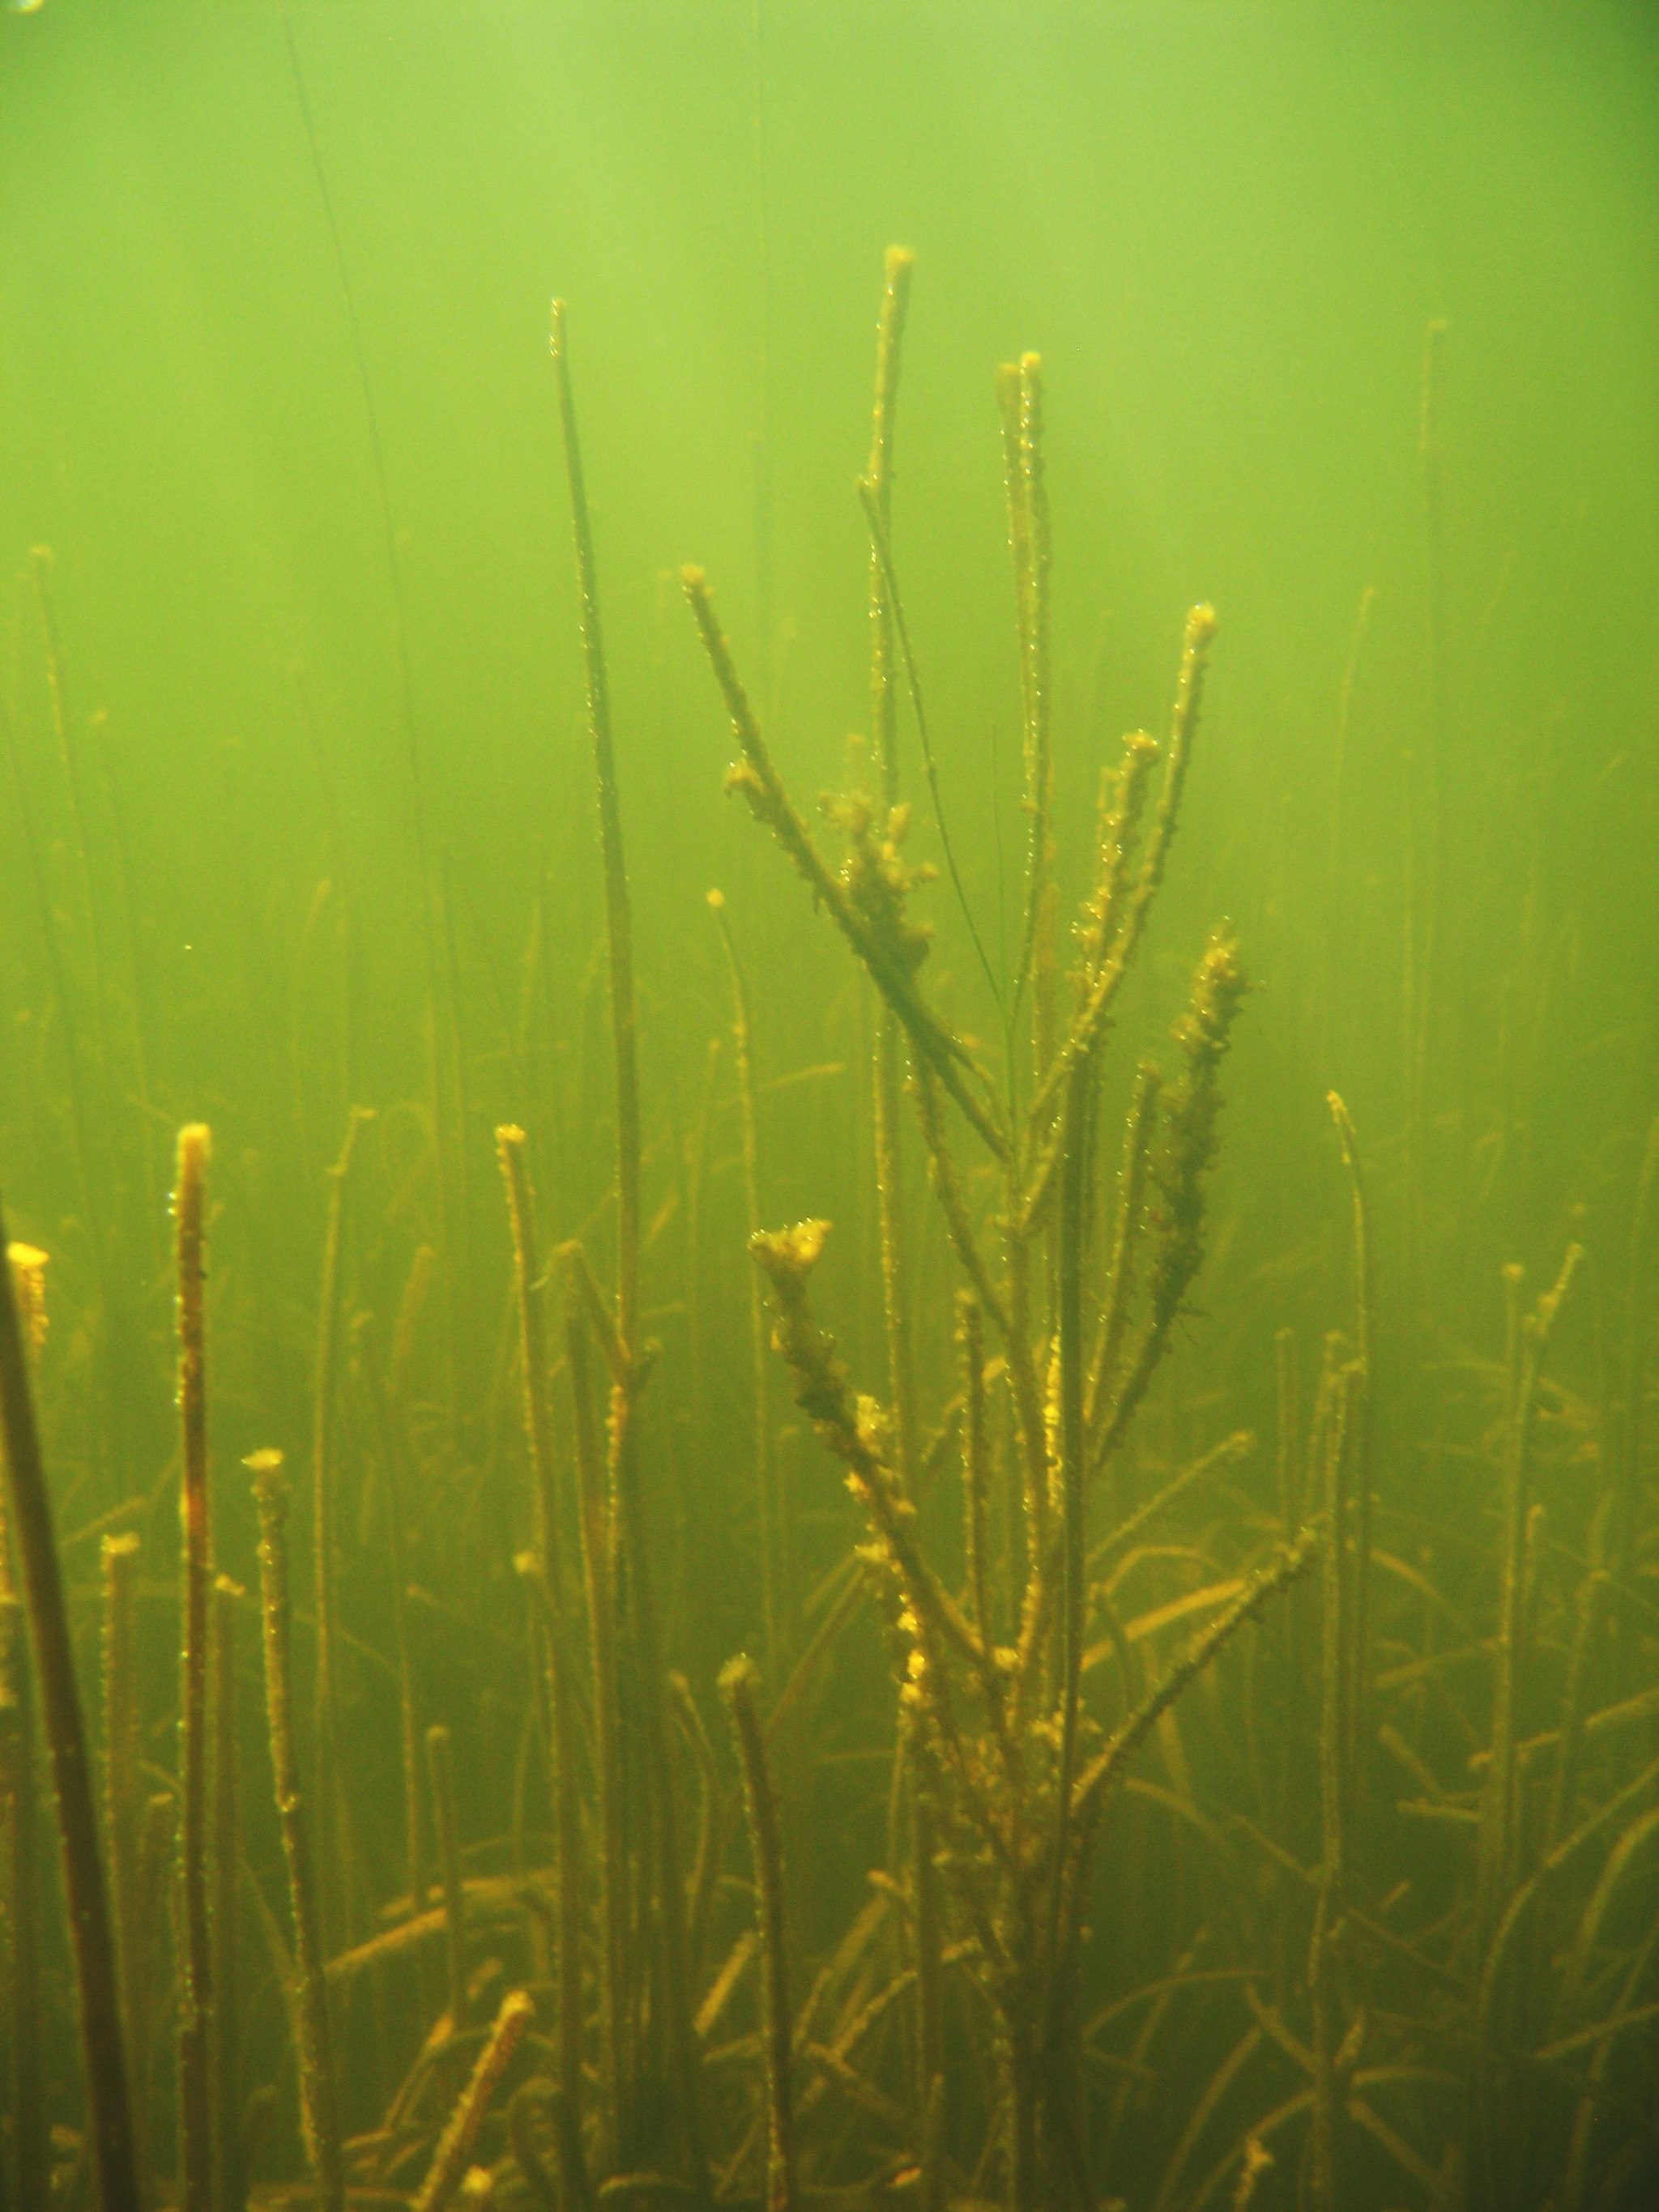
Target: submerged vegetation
<point>1256,1825</point>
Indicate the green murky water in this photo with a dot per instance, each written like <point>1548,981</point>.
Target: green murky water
<point>1225,1775</point>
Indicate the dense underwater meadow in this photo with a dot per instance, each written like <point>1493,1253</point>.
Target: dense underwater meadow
<point>829,1107</point>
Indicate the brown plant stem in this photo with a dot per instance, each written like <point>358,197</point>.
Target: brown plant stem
<point>97,1980</point>
<point>31,2159</point>
<point>227,1867</point>
<point>195,2032</point>
<point>123,1811</point>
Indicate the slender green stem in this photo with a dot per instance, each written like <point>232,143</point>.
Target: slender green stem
<point>619,927</point>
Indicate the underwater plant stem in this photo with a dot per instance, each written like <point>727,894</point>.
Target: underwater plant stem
<point>31,2159</point>
<point>1098,1000</point>
<point>532,1351</point>
<point>900,264</point>
<point>876,487</point>
<point>696,1185</point>
<point>397,1575</point>
<point>118,1557</point>
<point>619,927</point>
<point>930,1995</point>
<point>1496,1839</point>
<point>774,1549</point>
<point>460,2132</point>
<point>1334,1792</point>
<point>756,776</point>
<point>446,1821</point>
<point>889,1206</point>
<point>195,2033</point>
<point>1288,1567</point>
<point>1139,1135</point>
<point>1361,1422</point>
<point>930,766</point>
<point>97,1978</point>
<point>324,1544</point>
<point>614,2101</point>
<point>1019,401</point>
<point>447,1148</point>
<point>318,2107</point>
<point>975,1467</point>
<point>654,1694</point>
<point>1069,1309</point>
<point>1627,1531</point>
<point>538,1430</point>
<point>1425,795</point>
<point>738,1685</point>
<point>1335,915</point>
<point>232,2181</point>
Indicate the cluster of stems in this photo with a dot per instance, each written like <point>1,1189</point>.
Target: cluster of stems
<point>1007,1765</point>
